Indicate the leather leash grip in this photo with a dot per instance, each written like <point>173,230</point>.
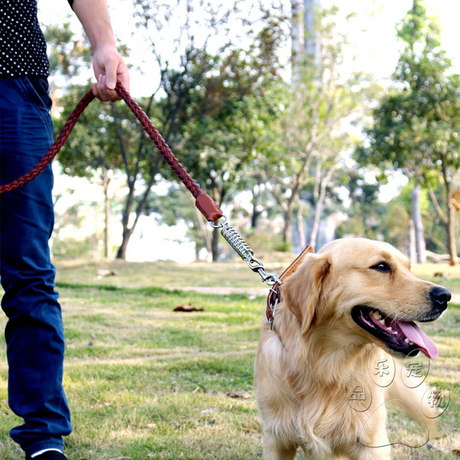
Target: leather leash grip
<point>208,207</point>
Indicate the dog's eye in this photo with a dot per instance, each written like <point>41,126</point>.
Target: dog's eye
<point>381,267</point>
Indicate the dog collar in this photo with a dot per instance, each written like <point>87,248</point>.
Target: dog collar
<point>274,296</point>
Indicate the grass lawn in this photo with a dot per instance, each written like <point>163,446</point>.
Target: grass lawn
<point>144,382</point>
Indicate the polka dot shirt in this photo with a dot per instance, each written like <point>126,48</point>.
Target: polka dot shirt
<point>22,44</point>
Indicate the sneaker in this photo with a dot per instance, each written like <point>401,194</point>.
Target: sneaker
<point>50,455</point>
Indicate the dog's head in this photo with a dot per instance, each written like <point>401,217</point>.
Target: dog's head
<point>366,289</point>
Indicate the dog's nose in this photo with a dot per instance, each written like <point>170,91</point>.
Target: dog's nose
<point>440,296</point>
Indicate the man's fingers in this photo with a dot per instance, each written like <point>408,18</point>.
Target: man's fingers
<point>103,91</point>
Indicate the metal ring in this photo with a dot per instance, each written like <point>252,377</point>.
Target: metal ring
<point>255,264</point>
<point>220,224</point>
<point>269,278</point>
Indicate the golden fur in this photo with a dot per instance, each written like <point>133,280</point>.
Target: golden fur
<point>316,346</point>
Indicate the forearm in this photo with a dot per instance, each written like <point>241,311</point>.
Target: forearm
<point>94,16</point>
<point>109,67</point>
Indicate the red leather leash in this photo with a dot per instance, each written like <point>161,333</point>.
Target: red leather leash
<point>203,202</point>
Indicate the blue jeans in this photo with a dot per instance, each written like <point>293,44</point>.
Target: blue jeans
<point>34,332</point>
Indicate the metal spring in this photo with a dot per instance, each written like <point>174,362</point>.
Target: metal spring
<point>236,242</point>
<point>245,252</point>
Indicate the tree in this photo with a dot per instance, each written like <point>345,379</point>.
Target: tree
<point>415,128</point>
<point>224,127</point>
<point>364,210</point>
<point>311,130</point>
<point>217,93</point>
<point>91,151</point>
<point>87,153</point>
<point>210,109</point>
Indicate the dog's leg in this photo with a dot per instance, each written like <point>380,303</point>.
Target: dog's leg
<point>274,449</point>
<point>374,435</point>
<point>368,453</point>
<point>412,399</point>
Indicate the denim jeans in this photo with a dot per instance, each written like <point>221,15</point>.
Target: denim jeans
<point>34,331</point>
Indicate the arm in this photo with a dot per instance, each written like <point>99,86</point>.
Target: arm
<point>108,65</point>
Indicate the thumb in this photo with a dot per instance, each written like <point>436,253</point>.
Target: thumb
<point>111,76</point>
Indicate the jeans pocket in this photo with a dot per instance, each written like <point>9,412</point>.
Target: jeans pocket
<point>38,90</point>
<point>35,92</point>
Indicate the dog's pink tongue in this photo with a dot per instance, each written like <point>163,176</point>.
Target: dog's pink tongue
<point>416,335</point>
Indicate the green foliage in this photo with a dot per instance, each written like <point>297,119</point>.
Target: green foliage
<point>214,110</point>
<point>218,110</point>
<point>225,117</point>
<point>364,209</point>
<point>417,124</point>
<point>312,128</point>
<point>68,52</point>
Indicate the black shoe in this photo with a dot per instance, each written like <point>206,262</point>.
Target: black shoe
<point>50,455</point>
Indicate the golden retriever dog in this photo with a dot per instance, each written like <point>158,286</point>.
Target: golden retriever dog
<point>340,312</point>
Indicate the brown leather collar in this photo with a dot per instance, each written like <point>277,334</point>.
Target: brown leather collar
<point>274,296</point>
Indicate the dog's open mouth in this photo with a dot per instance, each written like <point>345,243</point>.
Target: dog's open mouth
<point>400,336</point>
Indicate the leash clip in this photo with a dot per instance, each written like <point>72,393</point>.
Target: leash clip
<point>272,317</point>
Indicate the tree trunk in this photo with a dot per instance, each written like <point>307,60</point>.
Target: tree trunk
<point>300,225</point>
<point>121,253</point>
<point>297,37</point>
<point>316,222</point>
<point>127,232</point>
<point>106,183</point>
<point>322,183</point>
<point>411,242</point>
<point>255,218</point>
<point>255,204</point>
<point>450,221</point>
<point>287,228</point>
<point>311,43</point>
<point>215,244</point>
<point>451,233</point>
<point>420,247</point>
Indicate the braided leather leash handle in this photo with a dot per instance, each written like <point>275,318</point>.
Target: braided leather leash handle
<point>55,148</point>
<point>204,202</point>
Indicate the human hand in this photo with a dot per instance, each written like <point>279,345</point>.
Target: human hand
<point>109,68</point>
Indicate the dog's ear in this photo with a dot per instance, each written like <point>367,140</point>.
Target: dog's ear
<point>302,290</point>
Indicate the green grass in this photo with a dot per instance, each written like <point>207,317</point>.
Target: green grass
<point>144,382</point>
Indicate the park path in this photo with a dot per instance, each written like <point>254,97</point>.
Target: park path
<point>261,292</point>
